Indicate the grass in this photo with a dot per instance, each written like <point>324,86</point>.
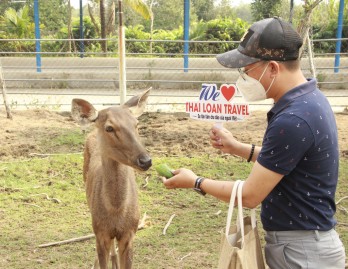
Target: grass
<point>28,218</point>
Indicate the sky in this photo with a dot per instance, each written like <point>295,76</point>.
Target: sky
<point>76,3</point>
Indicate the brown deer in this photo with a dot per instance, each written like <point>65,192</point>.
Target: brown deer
<point>111,152</point>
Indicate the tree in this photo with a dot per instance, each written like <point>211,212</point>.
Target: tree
<point>203,9</point>
<point>107,15</point>
<point>53,14</point>
<point>224,10</point>
<point>18,24</point>
<point>168,14</point>
<point>5,4</point>
<point>262,9</point>
<point>324,26</point>
<point>243,11</point>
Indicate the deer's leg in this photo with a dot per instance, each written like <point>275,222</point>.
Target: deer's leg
<point>114,256</point>
<point>96,263</point>
<point>125,250</point>
<point>103,250</point>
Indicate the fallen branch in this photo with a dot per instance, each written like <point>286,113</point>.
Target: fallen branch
<point>340,200</point>
<point>40,155</point>
<point>142,222</point>
<point>146,182</point>
<point>218,213</point>
<point>17,161</point>
<point>52,154</point>
<point>86,237</point>
<point>77,239</point>
<point>31,205</point>
<point>184,257</point>
<point>168,223</point>
<point>343,209</point>
<point>48,198</point>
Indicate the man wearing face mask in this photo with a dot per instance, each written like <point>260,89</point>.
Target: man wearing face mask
<point>295,171</point>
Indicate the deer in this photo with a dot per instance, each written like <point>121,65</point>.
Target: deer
<point>112,153</point>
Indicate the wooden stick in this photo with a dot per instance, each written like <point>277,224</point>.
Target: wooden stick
<point>4,94</point>
<point>168,223</point>
<point>76,239</point>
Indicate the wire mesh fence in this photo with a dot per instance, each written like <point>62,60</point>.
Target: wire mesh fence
<point>67,67</point>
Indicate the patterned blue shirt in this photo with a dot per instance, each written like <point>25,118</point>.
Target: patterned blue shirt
<point>301,143</point>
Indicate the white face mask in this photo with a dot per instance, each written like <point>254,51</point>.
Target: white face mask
<point>252,89</point>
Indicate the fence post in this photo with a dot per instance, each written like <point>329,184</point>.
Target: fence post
<point>121,55</point>
<point>82,44</point>
<point>186,33</point>
<point>339,36</point>
<point>37,36</point>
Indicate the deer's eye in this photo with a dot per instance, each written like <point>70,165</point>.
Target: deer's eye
<point>109,129</point>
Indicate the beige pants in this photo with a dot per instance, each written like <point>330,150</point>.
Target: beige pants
<point>304,249</point>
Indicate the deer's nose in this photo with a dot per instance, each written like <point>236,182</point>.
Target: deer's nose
<point>144,162</point>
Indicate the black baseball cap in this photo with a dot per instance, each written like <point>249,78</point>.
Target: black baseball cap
<point>271,39</point>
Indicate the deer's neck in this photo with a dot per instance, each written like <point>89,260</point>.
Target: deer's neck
<point>118,180</point>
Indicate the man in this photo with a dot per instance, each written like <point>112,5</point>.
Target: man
<point>295,172</point>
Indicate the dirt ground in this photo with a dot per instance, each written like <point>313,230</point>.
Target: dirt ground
<point>163,133</point>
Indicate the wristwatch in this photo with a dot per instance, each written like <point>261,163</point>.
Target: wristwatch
<point>197,187</point>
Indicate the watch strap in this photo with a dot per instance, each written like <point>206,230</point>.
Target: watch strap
<point>198,184</point>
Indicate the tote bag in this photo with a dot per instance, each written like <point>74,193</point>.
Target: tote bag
<point>240,244</point>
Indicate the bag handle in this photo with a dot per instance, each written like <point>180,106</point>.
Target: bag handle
<point>240,218</point>
<point>237,192</point>
<point>252,211</point>
<point>231,206</point>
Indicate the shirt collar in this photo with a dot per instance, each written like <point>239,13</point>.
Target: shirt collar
<point>294,93</point>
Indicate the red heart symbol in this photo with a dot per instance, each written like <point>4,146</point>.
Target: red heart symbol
<point>228,91</point>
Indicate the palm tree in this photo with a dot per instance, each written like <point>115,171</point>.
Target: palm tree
<point>107,14</point>
<point>18,23</point>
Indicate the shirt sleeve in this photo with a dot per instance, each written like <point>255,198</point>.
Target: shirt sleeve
<point>287,139</point>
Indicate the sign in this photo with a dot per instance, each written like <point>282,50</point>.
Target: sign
<point>216,104</point>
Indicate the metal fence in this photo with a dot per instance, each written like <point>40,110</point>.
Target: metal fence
<point>50,78</point>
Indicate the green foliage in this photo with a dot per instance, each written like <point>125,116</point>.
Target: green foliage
<point>208,22</point>
<point>18,24</point>
<point>325,26</point>
<point>139,7</point>
<point>203,9</point>
<point>224,10</point>
<point>137,32</point>
<point>215,30</point>
<point>168,14</point>
<point>53,15</point>
<point>89,32</point>
<point>262,9</point>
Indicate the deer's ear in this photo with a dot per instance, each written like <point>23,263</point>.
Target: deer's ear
<point>137,103</point>
<point>83,112</point>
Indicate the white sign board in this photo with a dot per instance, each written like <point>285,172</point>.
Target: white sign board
<point>216,104</point>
